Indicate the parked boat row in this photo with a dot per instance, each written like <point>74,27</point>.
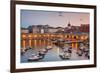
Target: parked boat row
<point>66,53</point>
<point>23,50</point>
<point>40,54</point>
<point>83,51</point>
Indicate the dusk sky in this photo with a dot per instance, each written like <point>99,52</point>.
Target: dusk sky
<point>53,18</point>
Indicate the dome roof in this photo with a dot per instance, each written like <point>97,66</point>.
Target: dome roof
<point>69,24</point>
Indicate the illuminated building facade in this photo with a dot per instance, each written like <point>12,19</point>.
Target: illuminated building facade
<point>41,35</point>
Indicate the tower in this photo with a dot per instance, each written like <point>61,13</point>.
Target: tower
<point>69,25</point>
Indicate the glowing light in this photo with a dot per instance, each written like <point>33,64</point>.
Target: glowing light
<point>24,44</point>
<point>35,36</point>
<point>76,36</point>
<point>44,35</point>
<point>35,42</point>
<point>23,36</point>
<point>72,45</point>
<point>48,35</point>
<point>44,42</point>
<point>40,43</point>
<point>30,36</point>
<point>82,37</point>
<point>52,35</point>
<point>39,35</point>
<point>86,37</point>
<point>76,45</point>
<point>30,43</point>
<point>65,36</point>
<point>61,36</point>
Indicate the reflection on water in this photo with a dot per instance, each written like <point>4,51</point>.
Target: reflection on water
<point>42,43</point>
<point>36,43</point>
<point>51,55</point>
<point>30,42</point>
